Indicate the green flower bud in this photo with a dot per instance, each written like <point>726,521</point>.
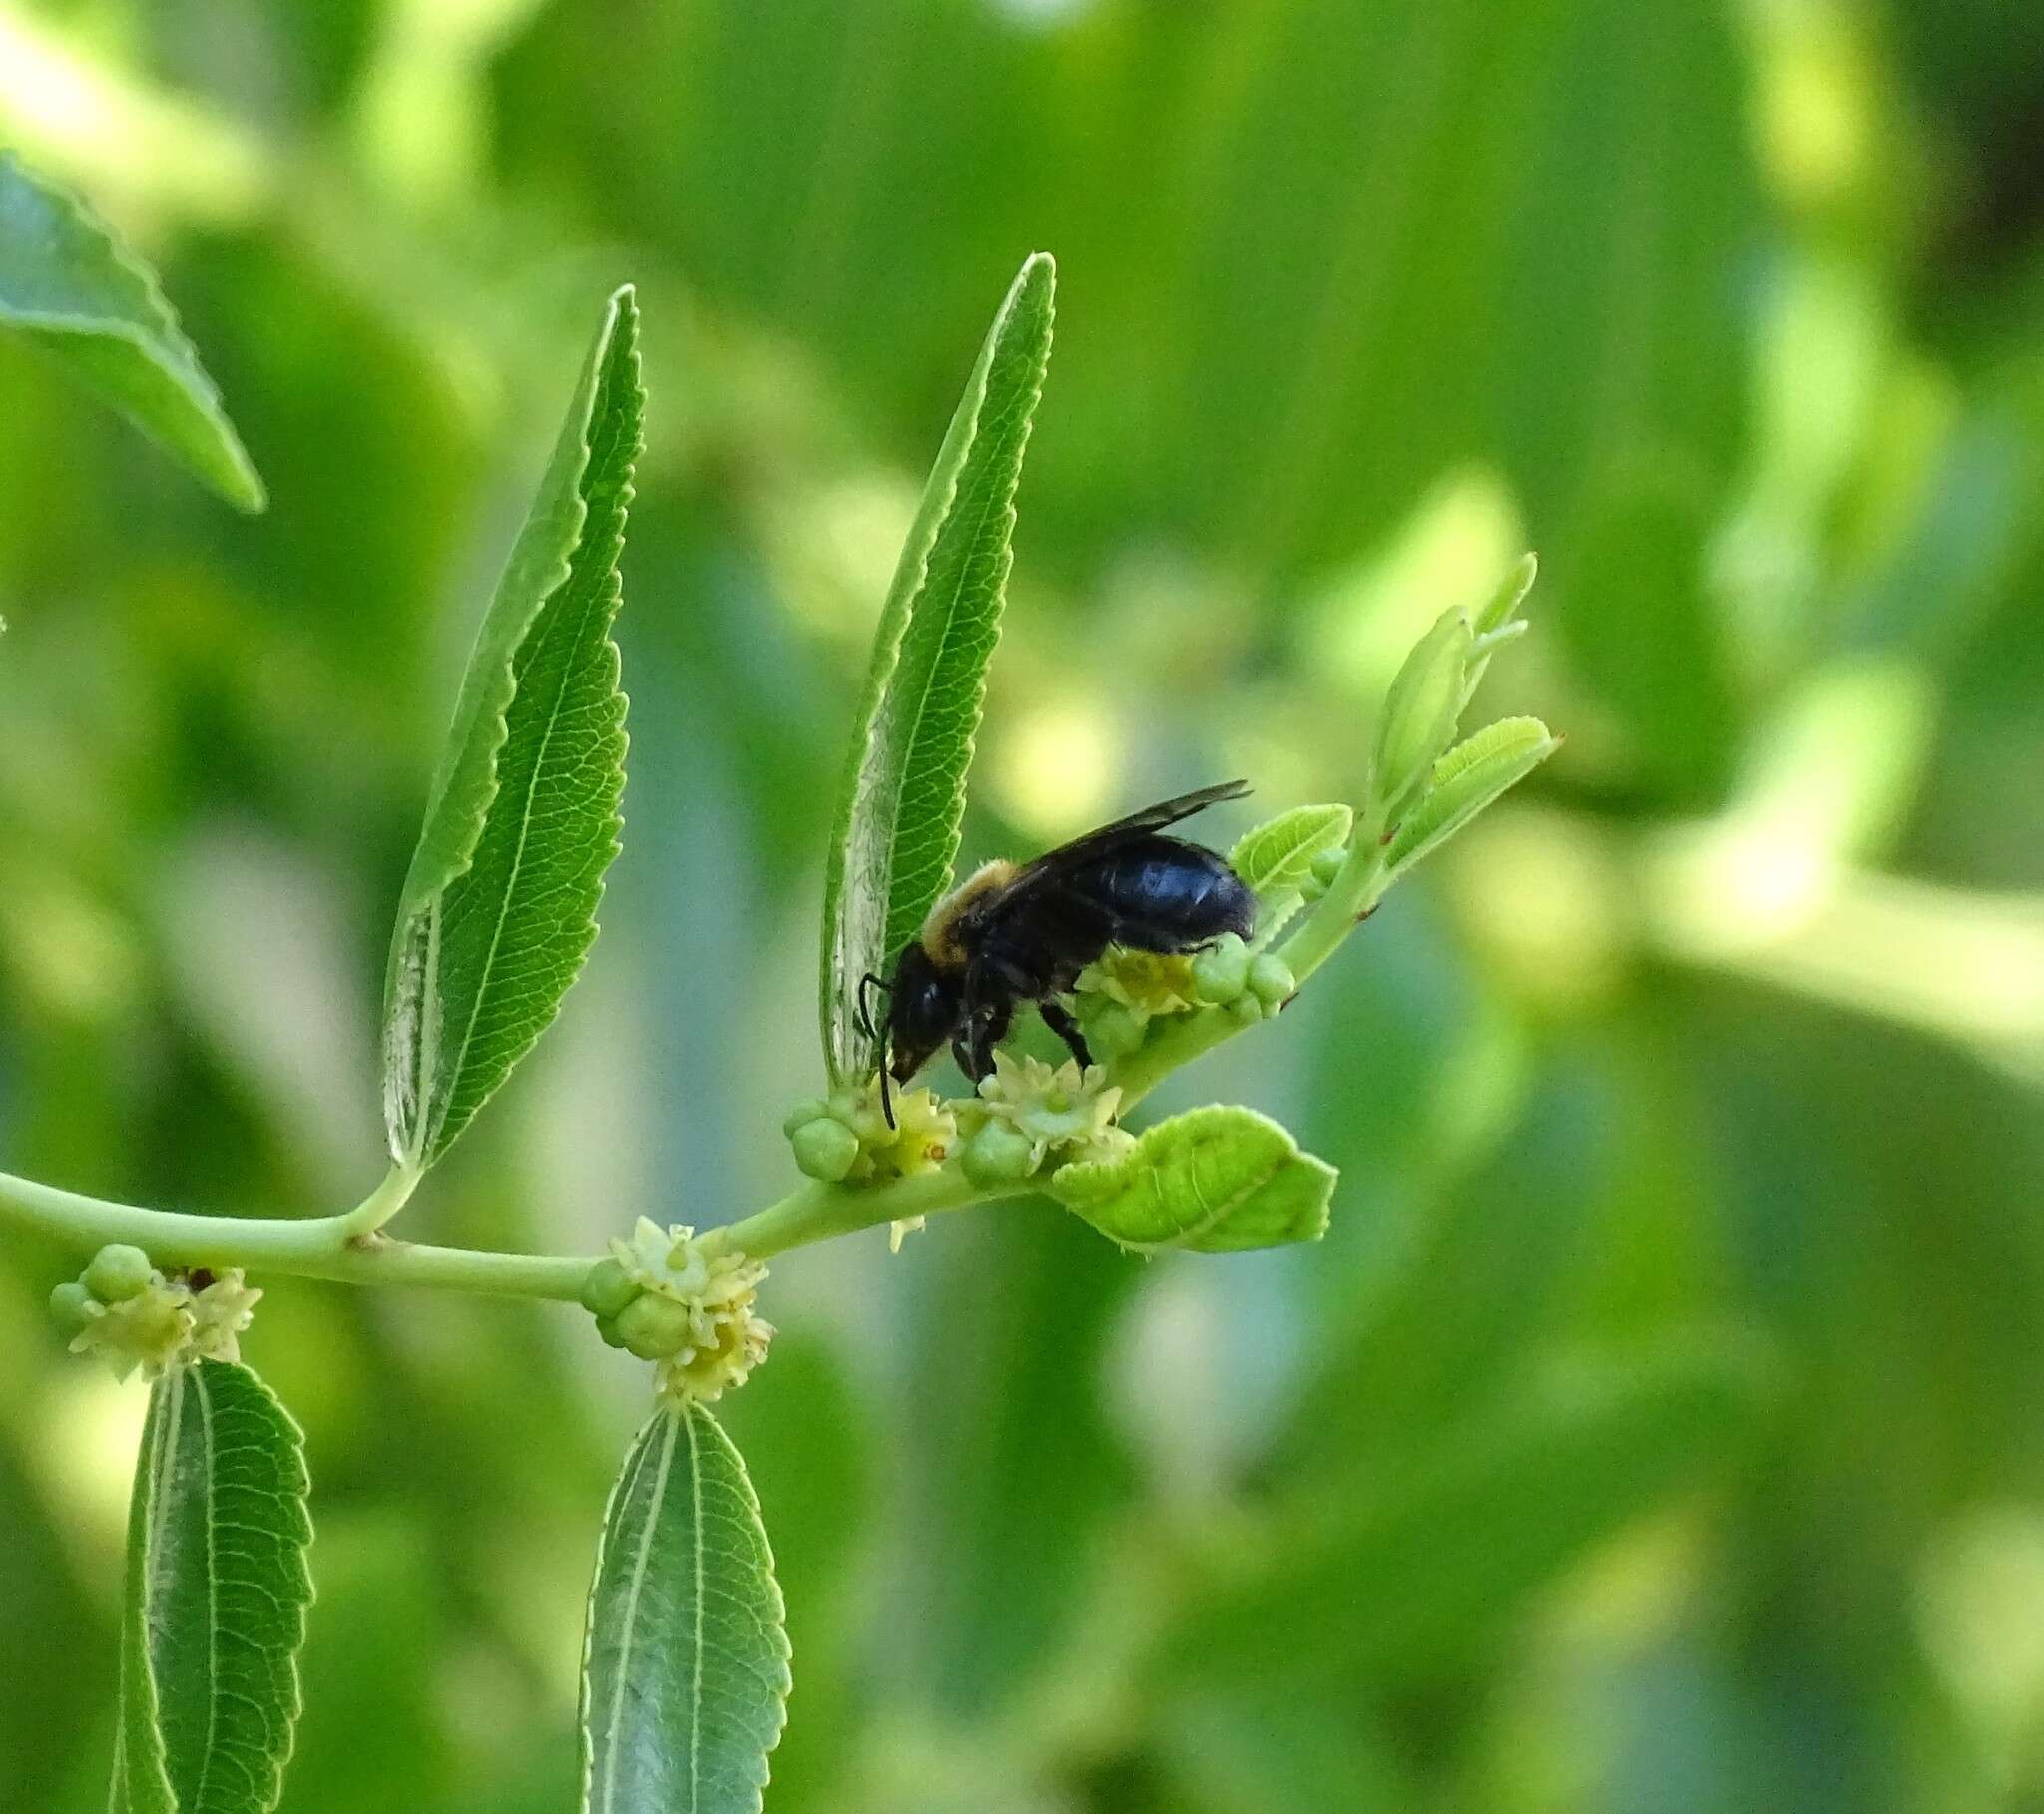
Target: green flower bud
<point>826,1149</point>
<point>1272,981</point>
<point>70,1307</point>
<point>652,1326</point>
<point>810,1108</point>
<point>1221,970</point>
<point>999,1153</point>
<point>1113,1030</point>
<point>1328,865</point>
<point>607,1327</point>
<point>118,1274</point>
<point>1420,713</point>
<point>608,1289</point>
<point>1245,1008</point>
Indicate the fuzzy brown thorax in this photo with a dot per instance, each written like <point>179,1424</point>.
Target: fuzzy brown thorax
<point>939,935</point>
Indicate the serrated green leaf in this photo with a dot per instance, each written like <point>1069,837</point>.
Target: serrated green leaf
<point>67,283</point>
<point>1279,853</point>
<point>685,1676</point>
<point>902,801</point>
<point>1275,858</point>
<point>1211,1181</point>
<point>499,906</point>
<point>1468,778</point>
<point>216,1598</point>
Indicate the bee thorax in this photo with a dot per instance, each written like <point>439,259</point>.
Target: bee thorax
<point>940,931</point>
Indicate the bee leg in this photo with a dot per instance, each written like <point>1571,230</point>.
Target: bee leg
<point>1059,1020</point>
<point>984,1030</point>
<point>967,1046</point>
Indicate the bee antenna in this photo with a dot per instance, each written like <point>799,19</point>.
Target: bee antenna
<point>870,1028</point>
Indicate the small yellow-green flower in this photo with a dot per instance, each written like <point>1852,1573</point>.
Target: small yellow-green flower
<point>923,1136</point>
<point>219,1315</point>
<point>1146,983</point>
<point>713,1338</point>
<point>1065,1110</point>
<point>166,1323</point>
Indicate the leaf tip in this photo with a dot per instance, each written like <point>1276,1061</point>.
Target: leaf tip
<point>248,494</point>
<point>1512,593</point>
<point>1036,282</point>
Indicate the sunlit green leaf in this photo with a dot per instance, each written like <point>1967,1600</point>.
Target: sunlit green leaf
<point>499,906</point>
<point>216,1599</point>
<point>685,1678</point>
<point>1211,1181</point>
<point>1279,853</point>
<point>1502,607</point>
<point>1277,857</point>
<point>1420,713</point>
<point>1472,775</point>
<point>69,283</point>
<point>903,795</point>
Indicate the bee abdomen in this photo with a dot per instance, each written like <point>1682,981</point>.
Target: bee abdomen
<point>1166,895</point>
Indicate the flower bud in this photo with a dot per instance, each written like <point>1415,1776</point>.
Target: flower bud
<point>1221,970</point>
<point>826,1149</point>
<point>1420,713</point>
<point>810,1108</point>
<point>1328,865</point>
<point>1245,1008</point>
<point>607,1327</point>
<point>118,1274</point>
<point>999,1153</point>
<point>608,1289</point>
<point>1272,981</point>
<point>653,1327</point>
<point>1112,1030</point>
<point>71,1307</point>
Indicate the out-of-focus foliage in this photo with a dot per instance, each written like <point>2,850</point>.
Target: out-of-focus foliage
<point>1655,1426</point>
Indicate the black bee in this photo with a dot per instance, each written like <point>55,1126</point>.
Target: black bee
<point>1011,934</point>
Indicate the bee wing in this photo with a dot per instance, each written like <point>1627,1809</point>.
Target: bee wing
<point>1081,851</point>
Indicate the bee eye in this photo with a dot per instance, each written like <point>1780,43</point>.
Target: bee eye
<point>930,1005</point>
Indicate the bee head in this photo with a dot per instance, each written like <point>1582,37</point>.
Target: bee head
<point>923,1011</point>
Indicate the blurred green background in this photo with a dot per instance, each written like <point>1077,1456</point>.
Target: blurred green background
<point>1662,1425</point>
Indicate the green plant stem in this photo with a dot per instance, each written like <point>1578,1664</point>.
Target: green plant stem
<point>384,1202</point>
<point>818,1213</point>
<point>1351,897</point>
<point>330,1247</point>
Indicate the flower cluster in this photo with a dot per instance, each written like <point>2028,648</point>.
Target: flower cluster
<point>849,1139</point>
<point>132,1315</point>
<point>1250,985</point>
<point>659,1296</point>
<point>1027,1111</point>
